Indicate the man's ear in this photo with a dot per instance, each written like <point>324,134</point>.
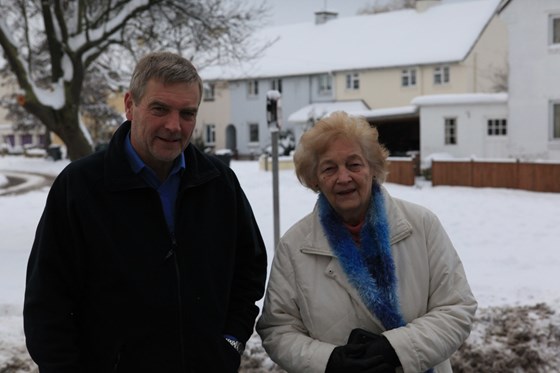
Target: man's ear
<point>128,104</point>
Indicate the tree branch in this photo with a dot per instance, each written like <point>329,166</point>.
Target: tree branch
<point>55,47</point>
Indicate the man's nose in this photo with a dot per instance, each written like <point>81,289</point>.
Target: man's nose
<point>174,122</point>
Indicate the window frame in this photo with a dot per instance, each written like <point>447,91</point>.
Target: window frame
<point>496,127</point>
<point>209,92</point>
<point>324,84</point>
<point>209,134</point>
<point>353,81</point>
<point>450,131</point>
<point>276,85</point>
<point>408,78</point>
<point>253,128</point>
<point>554,30</point>
<point>554,126</point>
<point>252,88</point>
<point>442,75</point>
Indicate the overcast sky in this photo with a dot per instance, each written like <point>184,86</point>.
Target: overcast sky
<point>295,11</point>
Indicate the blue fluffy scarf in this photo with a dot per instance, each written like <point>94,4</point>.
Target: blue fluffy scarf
<point>370,268</point>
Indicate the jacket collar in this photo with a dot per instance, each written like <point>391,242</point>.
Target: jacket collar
<point>316,243</point>
<point>120,176</point>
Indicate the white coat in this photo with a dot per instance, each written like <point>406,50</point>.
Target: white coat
<point>310,307</point>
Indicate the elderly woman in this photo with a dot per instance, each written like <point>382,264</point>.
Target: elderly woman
<point>365,282</point>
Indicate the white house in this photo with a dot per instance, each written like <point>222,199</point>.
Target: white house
<point>464,125</point>
<point>534,78</point>
<point>380,62</point>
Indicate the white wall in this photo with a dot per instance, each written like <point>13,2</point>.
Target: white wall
<point>472,137</point>
<point>534,78</point>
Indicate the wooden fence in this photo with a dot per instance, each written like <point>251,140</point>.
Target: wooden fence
<point>402,170</point>
<point>534,176</point>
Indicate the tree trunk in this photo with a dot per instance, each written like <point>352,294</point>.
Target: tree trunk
<point>65,123</point>
<point>77,145</point>
<point>67,126</point>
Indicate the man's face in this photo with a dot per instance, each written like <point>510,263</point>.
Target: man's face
<point>163,122</point>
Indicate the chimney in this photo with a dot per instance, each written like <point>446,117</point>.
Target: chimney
<point>422,5</point>
<point>324,16</point>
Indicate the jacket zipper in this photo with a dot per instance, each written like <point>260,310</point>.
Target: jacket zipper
<point>173,253</point>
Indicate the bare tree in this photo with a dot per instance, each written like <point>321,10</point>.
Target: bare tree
<point>54,47</point>
<point>500,80</point>
<point>382,6</point>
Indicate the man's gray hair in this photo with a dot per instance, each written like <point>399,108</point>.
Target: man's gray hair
<point>166,67</point>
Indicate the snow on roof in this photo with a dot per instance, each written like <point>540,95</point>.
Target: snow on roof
<point>320,109</point>
<point>388,112</point>
<point>460,98</point>
<point>443,33</point>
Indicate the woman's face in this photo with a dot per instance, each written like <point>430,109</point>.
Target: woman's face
<point>345,178</point>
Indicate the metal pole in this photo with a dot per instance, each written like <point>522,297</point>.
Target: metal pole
<point>275,193</point>
<point>273,112</point>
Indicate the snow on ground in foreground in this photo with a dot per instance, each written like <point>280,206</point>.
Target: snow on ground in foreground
<point>508,241</point>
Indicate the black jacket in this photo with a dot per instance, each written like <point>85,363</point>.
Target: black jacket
<point>110,290</point>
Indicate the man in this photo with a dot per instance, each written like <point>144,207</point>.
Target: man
<point>147,257</point>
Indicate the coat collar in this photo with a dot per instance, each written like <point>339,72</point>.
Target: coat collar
<point>316,243</point>
<point>120,176</point>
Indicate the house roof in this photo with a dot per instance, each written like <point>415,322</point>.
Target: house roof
<point>443,33</point>
<point>358,108</point>
<point>460,99</point>
<point>320,109</point>
<point>503,5</point>
<point>386,113</point>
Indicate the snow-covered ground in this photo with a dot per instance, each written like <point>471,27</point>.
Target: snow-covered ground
<point>509,241</point>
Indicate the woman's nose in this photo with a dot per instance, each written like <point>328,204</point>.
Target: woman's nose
<point>343,175</point>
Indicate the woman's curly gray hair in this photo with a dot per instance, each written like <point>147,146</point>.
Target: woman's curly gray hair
<point>316,141</point>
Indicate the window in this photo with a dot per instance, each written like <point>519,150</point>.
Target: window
<point>209,91</point>
<point>497,127</point>
<point>408,78</point>
<point>276,85</point>
<point>450,131</point>
<point>554,33</point>
<point>253,132</point>
<point>555,133</point>
<point>253,88</point>
<point>325,84</point>
<point>441,75</point>
<point>353,81</point>
<point>210,134</point>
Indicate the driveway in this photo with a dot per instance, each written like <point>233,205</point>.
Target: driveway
<point>23,182</point>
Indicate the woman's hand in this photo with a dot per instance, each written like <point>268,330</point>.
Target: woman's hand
<point>354,358</point>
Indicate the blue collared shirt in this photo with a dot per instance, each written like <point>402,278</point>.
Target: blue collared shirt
<point>167,190</point>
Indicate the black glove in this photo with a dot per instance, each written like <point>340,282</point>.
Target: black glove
<point>351,358</point>
<point>361,336</point>
<point>376,344</point>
